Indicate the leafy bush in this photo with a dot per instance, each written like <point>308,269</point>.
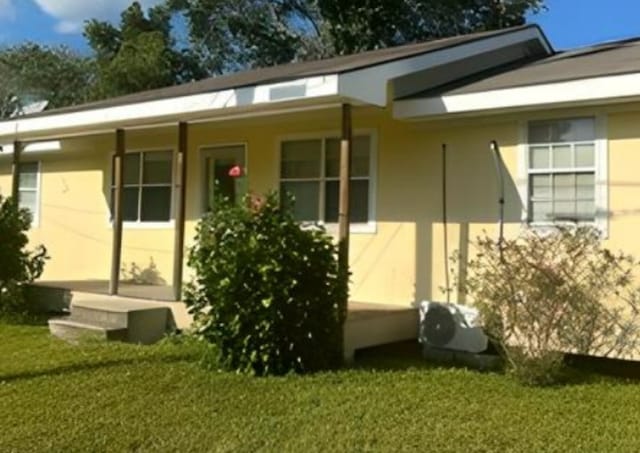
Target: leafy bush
<point>549,293</point>
<point>267,293</point>
<point>18,266</point>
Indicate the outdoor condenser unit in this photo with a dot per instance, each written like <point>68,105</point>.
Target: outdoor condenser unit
<point>451,327</point>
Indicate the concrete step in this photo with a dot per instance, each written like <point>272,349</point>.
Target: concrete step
<point>72,330</point>
<point>114,318</point>
<point>100,315</point>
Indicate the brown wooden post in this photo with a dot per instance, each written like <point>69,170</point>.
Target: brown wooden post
<point>181,185</point>
<point>118,172</point>
<point>345,177</point>
<point>15,171</point>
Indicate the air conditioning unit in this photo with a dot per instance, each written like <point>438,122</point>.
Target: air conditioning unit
<point>451,327</point>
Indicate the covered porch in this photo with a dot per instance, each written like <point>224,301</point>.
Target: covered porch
<point>367,324</point>
<point>131,233</point>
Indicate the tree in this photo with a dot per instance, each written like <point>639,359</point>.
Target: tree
<point>31,72</point>
<point>140,54</point>
<point>255,33</point>
<point>230,35</point>
<point>358,25</point>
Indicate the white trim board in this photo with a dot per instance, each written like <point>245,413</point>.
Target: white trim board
<point>592,91</point>
<point>37,147</point>
<point>313,87</point>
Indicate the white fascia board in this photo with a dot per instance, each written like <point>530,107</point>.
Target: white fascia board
<point>583,91</point>
<point>36,147</point>
<point>183,107</point>
<point>370,85</point>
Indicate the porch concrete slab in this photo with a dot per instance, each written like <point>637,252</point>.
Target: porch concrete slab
<point>179,317</point>
<point>367,324</point>
<point>128,290</point>
<point>371,325</point>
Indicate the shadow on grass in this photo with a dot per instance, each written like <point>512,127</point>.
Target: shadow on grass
<point>92,366</point>
<point>581,370</point>
<point>401,356</point>
<point>27,319</point>
<point>602,366</point>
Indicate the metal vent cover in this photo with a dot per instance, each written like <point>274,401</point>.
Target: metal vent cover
<point>439,326</point>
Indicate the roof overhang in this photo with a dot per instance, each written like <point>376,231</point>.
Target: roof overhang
<point>297,93</point>
<point>372,85</point>
<point>412,75</point>
<point>591,91</point>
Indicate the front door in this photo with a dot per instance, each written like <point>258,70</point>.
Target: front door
<point>217,163</point>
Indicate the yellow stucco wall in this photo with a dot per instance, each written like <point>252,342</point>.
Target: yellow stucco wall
<point>402,262</point>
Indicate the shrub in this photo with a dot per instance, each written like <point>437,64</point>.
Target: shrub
<point>267,293</point>
<point>544,294</point>
<point>18,266</point>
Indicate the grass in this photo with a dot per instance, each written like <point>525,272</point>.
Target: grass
<point>114,397</point>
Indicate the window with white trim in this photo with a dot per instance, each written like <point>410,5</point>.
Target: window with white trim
<point>562,171</point>
<point>147,186</point>
<point>309,170</point>
<point>29,188</point>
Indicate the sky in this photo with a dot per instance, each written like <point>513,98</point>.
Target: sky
<point>567,23</point>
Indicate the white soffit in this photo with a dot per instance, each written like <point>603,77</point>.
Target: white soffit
<point>583,91</point>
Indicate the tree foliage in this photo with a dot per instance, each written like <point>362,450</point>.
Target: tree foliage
<point>358,25</point>
<point>255,33</point>
<point>32,72</point>
<point>139,54</point>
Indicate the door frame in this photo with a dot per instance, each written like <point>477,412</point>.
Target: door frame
<point>206,151</point>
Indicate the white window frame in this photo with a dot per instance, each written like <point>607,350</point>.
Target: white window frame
<point>35,216</point>
<point>212,147</point>
<point>369,227</point>
<point>601,167</point>
<point>139,224</point>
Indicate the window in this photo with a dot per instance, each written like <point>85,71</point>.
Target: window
<point>29,188</point>
<point>147,186</point>
<point>309,170</point>
<point>562,171</point>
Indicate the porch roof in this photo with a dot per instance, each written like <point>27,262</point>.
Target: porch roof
<point>595,74</point>
<point>360,79</point>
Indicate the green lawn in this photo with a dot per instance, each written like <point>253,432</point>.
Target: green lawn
<point>98,397</point>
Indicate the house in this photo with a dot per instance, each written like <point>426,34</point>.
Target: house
<point>566,123</point>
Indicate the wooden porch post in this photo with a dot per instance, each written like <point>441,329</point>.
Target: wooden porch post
<point>116,252</point>
<point>15,171</point>
<point>178,252</point>
<point>345,177</point>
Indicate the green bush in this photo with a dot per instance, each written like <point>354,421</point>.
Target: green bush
<point>18,266</point>
<point>548,293</point>
<point>267,292</point>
